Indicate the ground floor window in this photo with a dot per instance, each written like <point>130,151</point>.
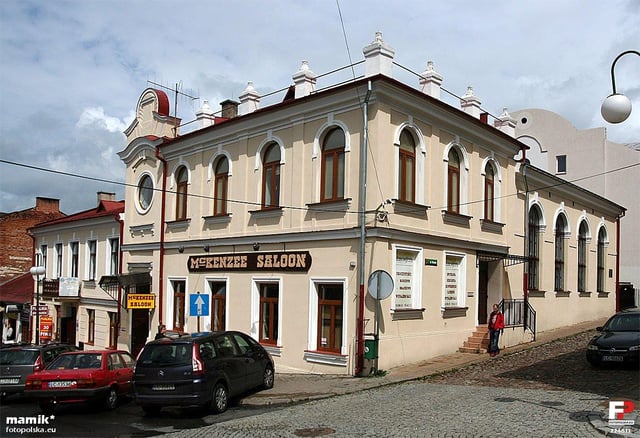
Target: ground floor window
<point>407,281</point>
<point>91,326</point>
<point>113,330</point>
<point>269,318</point>
<point>330,298</point>
<point>179,288</point>
<point>454,281</point>
<point>218,304</point>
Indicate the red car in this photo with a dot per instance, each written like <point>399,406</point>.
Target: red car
<point>83,376</point>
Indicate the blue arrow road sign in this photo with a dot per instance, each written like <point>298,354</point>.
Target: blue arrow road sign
<point>198,305</point>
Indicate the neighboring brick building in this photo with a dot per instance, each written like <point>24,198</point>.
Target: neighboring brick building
<point>16,246</point>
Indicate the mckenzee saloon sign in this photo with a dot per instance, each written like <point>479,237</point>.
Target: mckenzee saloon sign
<point>252,261</point>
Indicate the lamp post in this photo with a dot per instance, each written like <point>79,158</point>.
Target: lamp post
<point>36,273</point>
<point>616,107</point>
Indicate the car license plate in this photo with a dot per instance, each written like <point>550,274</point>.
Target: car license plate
<point>163,387</point>
<point>61,384</point>
<point>613,358</point>
<point>9,381</point>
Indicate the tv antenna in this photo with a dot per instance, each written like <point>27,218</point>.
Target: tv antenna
<point>176,92</point>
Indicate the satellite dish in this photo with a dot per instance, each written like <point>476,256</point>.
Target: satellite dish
<point>380,285</point>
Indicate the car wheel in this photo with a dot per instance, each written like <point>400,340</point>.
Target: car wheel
<point>151,410</point>
<point>111,401</point>
<point>268,377</point>
<point>220,398</point>
<point>47,407</point>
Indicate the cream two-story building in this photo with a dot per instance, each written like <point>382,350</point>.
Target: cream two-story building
<point>358,225</point>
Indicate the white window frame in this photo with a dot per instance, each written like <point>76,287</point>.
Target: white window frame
<point>416,297</point>
<point>255,307</point>
<point>89,261</point>
<point>109,249</point>
<point>312,344</point>
<point>169,302</point>
<point>208,291</point>
<point>420,156</point>
<point>461,277</point>
<point>59,253</point>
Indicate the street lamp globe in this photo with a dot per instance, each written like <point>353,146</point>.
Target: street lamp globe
<point>616,108</point>
<point>37,272</point>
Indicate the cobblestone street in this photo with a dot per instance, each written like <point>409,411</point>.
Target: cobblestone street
<point>549,390</point>
<point>559,365</point>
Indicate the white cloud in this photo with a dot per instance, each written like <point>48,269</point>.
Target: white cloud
<point>71,76</point>
<point>96,117</point>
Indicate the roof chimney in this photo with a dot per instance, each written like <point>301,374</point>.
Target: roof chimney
<point>249,100</point>
<point>204,115</point>
<point>106,196</point>
<point>304,80</point>
<point>430,81</point>
<point>506,123</point>
<point>470,103</point>
<point>49,205</point>
<point>378,57</point>
<point>229,108</point>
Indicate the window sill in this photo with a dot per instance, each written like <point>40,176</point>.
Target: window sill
<point>406,314</point>
<point>410,208</point>
<point>603,294</point>
<point>562,293</point>
<point>267,212</point>
<point>454,312</point>
<point>490,226</point>
<point>330,206</point>
<point>456,218</point>
<point>273,350</point>
<point>537,293</point>
<point>217,219</point>
<point>584,294</point>
<point>142,230</point>
<point>174,225</point>
<point>326,358</point>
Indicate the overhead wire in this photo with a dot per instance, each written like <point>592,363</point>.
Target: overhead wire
<point>292,207</point>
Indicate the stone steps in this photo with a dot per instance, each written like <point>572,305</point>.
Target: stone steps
<point>477,342</point>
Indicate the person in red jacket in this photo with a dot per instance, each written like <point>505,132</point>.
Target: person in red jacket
<point>496,324</point>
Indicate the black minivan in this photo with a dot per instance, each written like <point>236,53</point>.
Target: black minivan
<point>201,369</point>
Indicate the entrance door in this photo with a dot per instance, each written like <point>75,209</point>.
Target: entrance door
<point>139,330</point>
<point>483,296</point>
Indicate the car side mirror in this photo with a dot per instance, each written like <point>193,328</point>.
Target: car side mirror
<point>599,329</point>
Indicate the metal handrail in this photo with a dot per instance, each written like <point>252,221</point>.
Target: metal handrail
<point>519,313</point>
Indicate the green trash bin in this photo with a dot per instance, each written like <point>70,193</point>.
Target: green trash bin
<point>370,348</point>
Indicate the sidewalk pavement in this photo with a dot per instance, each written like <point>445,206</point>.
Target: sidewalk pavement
<point>296,388</point>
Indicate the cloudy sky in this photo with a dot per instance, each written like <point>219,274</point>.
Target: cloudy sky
<point>71,72</point>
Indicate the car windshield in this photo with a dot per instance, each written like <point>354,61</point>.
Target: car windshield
<point>624,323</point>
<point>165,355</point>
<point>18,357</point>
<point>76,361</point>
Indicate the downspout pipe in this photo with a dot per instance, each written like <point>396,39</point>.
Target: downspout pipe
<point>525,276</point>
<point>620,216</point>
<point>363,231</point>
<point>120,221</point>
<point>162,221</point>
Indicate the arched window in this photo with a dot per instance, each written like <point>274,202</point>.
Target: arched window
<point>453,182</point>
<point>182,178</point>
<point>582,256</point>
<point>561,231</point>
<point>221,187</point>
<point>534,247</point>
<point>407,167</point>
<point>333,166</point>
<point>602,239</point>
<point>489,193</point>
<point>271,177</point>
